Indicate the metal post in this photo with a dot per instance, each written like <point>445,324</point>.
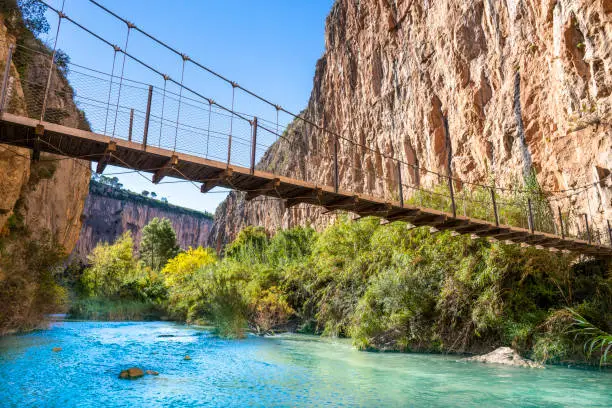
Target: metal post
<point>530,219</point>
<point>399,183</point>
<point>588,231</point>
<point>7,74</point>
<point>449,166</point>
<point>253,145</point>
<point>609,232</point>
<point>452,196</point>
<point>336,179</point>
<point>494,207</point>
<point>147,118</point>
<point>131,125</point>
<point>561,223</point>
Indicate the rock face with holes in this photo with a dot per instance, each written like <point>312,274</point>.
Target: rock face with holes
<point>502,87</point>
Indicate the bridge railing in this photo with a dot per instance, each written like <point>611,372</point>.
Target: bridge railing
<point>173,116</point>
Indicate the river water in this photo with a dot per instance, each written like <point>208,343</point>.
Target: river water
<point>287,370</point>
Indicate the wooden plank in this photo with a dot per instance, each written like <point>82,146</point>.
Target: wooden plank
<point>77,143</point>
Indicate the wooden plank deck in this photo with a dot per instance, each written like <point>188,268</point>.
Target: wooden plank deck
<point>58,139</point>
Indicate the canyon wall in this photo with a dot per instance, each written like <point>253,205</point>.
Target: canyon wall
<point>49,194</point>
<point>501,87</point>
<point>110,211</point>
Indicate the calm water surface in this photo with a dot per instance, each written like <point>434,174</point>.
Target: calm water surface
<point>291,370</point>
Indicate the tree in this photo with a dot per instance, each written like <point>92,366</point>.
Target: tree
<point>153,194</point>
<point>34,16</point>
<point>145,193</point>
<point>158,243</point>
<point>111,265</point>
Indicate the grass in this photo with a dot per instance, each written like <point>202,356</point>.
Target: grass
<point>113,310</point>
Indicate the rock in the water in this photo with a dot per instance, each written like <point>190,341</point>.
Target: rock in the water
<point>187,357</point>
<point>131,373</point>
<point>152,372</point>
<point>507,356</point>
<point>56,349</point>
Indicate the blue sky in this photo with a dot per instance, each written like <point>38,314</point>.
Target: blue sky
<point>269,47</point>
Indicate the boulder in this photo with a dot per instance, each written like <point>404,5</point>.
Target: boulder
<point>56,349</point>
<point>131,373</point>
<point>506,356</point>
<point>187,357</point>
<point>152,372</point>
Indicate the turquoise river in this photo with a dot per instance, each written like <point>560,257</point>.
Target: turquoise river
<point>286,370</point>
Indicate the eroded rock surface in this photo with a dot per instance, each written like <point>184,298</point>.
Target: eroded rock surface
<point>519,84</point>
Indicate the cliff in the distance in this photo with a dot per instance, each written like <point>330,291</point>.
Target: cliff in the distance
<point>110,211</point>
<point>521,84</point>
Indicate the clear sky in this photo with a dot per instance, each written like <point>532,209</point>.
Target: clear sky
<point>269,47</point>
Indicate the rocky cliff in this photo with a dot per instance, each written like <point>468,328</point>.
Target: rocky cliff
<point>49,194</point>
<point>110,211</point>
<point>500,87</point>
<point>40,200</point>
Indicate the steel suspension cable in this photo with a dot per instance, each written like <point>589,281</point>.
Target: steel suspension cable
<point>60,15</point>
<point>127,39</point>
<point>161,121</point>
<point>178,111</point>
<point>208,128</point>
<point>229,144</point>
<point>110,90</point>
<point>242,116</point>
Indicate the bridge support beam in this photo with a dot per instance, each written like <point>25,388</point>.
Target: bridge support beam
<point>270,186</point>
<point>222,177</point>
<point>110,149</point>
<point>314,197</point>
<point>166,169</point>
<point>346,201</point>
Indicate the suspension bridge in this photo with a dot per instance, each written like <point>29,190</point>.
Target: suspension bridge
<point>170,129</point>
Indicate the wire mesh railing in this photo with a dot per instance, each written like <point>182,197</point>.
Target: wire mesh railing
<point>172,116</point>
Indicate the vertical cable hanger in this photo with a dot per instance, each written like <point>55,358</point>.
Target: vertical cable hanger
<point>110,88</point>
<point>161,121</point>
<point>210,104</point>
<point>278,108</point>
<point>60,15</point>
<point>229,145</point>
<point>178,112</point>
<point>127,39</point>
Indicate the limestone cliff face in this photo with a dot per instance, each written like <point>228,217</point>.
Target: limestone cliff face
<point>49,194</point>
<point>505,86</point>
<point>109,212</point>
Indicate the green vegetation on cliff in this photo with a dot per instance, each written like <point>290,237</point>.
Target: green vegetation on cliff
<point>110,187</point>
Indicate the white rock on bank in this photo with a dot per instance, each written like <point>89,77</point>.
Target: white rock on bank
<point>506,356</point>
